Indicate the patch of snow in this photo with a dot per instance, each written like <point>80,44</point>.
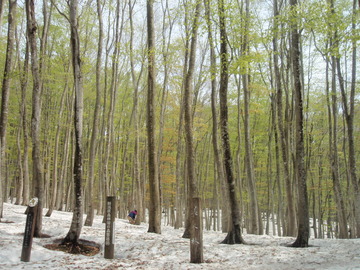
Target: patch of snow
<point>135,248</point>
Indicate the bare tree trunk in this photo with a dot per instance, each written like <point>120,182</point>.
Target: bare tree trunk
<point>56,179</point>
<point>36,115</point>
<point>188,123</point>
<point>234,235</point>
<point>217,154</point>
<point>303,209</point>
<point>95,128</point>
<point>291,227</point>
<point>77,219</point>
<point>5,92</point>
<point>254,209</point>
<point>135,122</point>
<point>154,185</point>
<point>349,110</point>
<point>24,165</point>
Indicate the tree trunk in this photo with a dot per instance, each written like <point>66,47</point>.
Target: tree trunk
<point>55,178</point>
<point>291,227</point>
<point>24,164</point>
<point>300,173</point>
<point>5,92</point>
<point>95,128</point>
<point>188,124</point>
<point>154,186</point>
<point>349,110</point>
<point>234,235</point>
<point>77,219</point>
<point>135,122</point>
<point>217,155</point>
<point>36,115</point>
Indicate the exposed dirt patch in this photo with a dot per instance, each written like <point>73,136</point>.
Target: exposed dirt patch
<point>84,247</point>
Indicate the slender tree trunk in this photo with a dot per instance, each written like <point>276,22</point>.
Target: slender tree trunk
<point>36,115</point>
<point>254,209</point>
<point>303,209</point>
<point>55,178</point>
<point>285,158</point>
<point>5,92</point>
<point>333,127</point>
<point>154,185</point>
<point>77,219</point>
<point>24,165</point>
<point>349,110</point>
<point>188,124</point>
<point>95,128</point>
<point>234,235</point>
<point>135,122</point>
<point>217,155</point>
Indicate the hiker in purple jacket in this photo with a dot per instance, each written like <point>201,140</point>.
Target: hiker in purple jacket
<point>132,216</point>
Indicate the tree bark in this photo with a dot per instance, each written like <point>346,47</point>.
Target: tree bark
<point>95,128</point>
<point>24,164</point>
<point>77,219</point>
<point>291,227</point>
<point>154,185</point>
<point>234,235</point>
<point>300,173</point>
<point>36,115</point>
<point>5,92</point>
<point>217,155</point>
<point>188,122</point>
<point>349,110</point>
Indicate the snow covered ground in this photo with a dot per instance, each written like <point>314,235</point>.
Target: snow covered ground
<point>137,249</point>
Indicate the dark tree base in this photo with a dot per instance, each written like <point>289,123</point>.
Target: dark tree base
<point>300,243</point>
<point>234,237</point>
<point>186,234</point>
<point>82,247</point>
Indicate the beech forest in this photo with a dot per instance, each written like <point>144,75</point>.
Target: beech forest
<point>252,106</point>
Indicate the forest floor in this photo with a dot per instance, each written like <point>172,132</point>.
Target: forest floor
<point>137,249</point>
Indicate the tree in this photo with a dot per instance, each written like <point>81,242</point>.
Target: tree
<point>188,123</point>
<point>154,185</point>
<point>255,216</point>
<point>215,136</point>
<point>300,173</point>
<point>95,127</point>
<point>36,115</point>
<point>5,92</point>
<point>73,235</point>
<point>291,226</point>
<point>349,112</point>
<point>234,235</point>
